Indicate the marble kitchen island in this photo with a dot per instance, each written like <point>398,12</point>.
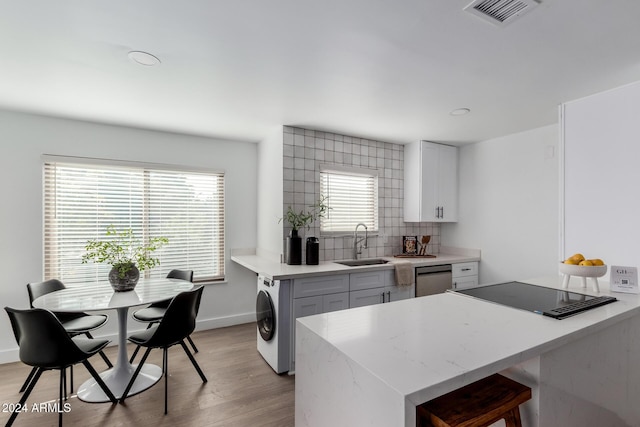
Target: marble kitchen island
<point>371,366</point>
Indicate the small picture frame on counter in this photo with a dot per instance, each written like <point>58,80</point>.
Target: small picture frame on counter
<point>409,245</point>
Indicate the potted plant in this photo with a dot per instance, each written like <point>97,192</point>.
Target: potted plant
<point>297,220</point>
<point>126,255</point>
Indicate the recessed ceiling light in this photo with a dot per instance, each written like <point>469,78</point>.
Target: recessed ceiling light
<point>460,111</point>
<point>143,58</point>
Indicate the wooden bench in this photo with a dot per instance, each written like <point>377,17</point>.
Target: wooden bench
<point>479,404</point>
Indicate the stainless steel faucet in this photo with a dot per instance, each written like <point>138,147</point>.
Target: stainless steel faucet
<point>356,241</point>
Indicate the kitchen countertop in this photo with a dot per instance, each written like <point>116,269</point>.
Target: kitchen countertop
<point>272,268</point>
<point>388,358</point>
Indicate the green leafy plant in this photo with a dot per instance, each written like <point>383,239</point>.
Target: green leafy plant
<point>122,250</point>
<point>301,219</point>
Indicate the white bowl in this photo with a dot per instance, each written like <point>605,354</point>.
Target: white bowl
<point>583,270</point>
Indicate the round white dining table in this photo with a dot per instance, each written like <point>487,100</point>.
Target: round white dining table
<point>100,296</point>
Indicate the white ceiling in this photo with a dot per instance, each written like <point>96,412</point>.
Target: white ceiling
<point>382,69</point>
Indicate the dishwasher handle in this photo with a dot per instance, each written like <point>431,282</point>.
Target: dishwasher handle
<point>433,269</point>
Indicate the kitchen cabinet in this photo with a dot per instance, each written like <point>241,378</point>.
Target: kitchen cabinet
<point>430,182</point>
<point>323,294</point>
<point>308,306</point>
<point>320,285</point>
<point>378,287</point>
<point>464,275</point>
<point>366,297</point>
<point>397,293</point>
<point>367,288</point>
<point>316,295</point>
<point>320,294</point>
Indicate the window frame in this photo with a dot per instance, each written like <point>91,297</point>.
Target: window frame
<point>354,171</point>
<point>144,168</point>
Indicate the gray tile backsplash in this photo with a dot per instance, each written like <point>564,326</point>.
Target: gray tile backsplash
<point>306,149</point>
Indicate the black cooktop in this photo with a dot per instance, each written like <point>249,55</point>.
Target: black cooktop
<point>539,299</point>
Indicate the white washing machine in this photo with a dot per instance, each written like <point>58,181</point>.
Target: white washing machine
<point>273,317</point>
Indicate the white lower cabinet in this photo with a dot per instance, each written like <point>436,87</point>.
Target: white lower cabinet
<point>315,295</point>
<point>322,294</point>
<point>376,288</point>
<point>397,293</point>
<point>464,275</point>
<point>308,306</point>
<point>366,297</point>
<point>335,302</point>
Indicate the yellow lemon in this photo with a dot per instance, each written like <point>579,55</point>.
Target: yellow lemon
<point>586,262</point>
<point>597,261</point>
<point>570,261</point>
<point>577,257</point>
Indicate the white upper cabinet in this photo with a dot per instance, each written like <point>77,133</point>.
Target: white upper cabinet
<point>430,182</point>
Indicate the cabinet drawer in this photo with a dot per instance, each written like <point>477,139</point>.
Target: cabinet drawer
<point>320,285</point>
<point>464,269</point>
<point>367,280</point>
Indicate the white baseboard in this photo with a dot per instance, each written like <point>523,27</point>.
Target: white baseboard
<point>8,356</point>
<point>11,355</point>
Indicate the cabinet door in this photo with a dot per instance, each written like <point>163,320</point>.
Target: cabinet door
<point>307,306</point>
<point>335,302</point>
<point>465,282</point>
<point>397,293</point>
<point>429,155</point>
<point>366,297</point>
<point>448,183</point>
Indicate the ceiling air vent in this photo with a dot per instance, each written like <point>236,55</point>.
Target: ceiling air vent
<point>500,12</point>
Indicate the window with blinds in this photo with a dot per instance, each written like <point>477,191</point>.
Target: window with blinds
<point>82,199</point>
<point>352,197</point>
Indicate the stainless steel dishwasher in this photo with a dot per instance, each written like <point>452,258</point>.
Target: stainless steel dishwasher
<point>433,279</point>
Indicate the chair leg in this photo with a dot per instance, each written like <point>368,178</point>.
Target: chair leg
<point>135,375</point>
<point>165,369</point>
<point>193,361</point>
<point>63,386</point>
<point>63,372</point>
<point>26,394</point>
<point>28,380</point>
<point>104,356</point>
<point>135,352</point>
<point>71,378</point>
<point>100,382</point>
<point>195,349</point>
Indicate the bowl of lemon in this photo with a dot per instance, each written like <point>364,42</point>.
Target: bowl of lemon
<point>577,265</point>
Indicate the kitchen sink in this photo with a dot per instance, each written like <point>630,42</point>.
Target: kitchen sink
<point>361,262</point>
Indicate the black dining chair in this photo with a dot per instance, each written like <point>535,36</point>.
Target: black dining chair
<point>154,312</point>
<point>74,323</point>
<point>176,325</point>
<point>45,345</point>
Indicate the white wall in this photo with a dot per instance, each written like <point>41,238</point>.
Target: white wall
<point>602,154</point>
<point>270,151</point>
<point>509,193</point>
<point>23,140</point>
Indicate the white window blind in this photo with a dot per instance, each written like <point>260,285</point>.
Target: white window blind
<point>352,197</point>
<point>82,200</point>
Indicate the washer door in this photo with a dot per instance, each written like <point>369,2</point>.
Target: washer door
<point>266,316</point>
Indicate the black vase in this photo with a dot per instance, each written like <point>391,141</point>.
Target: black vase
<point>126,283</point>
<point>293,250</point>
<point>313,251</point>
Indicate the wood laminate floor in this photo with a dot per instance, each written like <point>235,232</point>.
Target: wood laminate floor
<point>242,389</point>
